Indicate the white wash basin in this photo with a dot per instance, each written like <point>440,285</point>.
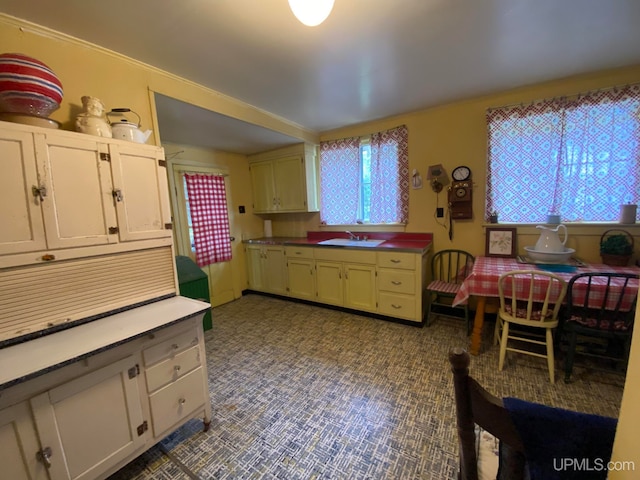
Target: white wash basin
<point>347,242</point>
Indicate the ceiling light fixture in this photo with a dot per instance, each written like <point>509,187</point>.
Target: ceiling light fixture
<point>311,12</point>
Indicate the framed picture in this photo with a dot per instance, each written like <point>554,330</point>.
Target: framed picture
<point>501,242</point>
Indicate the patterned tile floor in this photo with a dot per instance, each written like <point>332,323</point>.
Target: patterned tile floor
<point>305,392</point>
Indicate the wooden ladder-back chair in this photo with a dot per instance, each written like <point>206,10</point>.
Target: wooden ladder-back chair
<point>449,268</point>
<point>602,328</point>
<point>543,293</point>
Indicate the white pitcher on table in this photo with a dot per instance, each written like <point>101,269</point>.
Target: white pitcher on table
<point>549,240</point>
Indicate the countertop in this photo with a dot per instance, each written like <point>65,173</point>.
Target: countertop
<point>403,242</point>
<point>35,357</point>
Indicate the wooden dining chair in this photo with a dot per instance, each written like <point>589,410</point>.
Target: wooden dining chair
<point>449,268</point>
<point>476,406</point>
<point>602,327</point>
<point>543,293</point>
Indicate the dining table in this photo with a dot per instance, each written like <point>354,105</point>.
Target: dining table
<point>482,283</point>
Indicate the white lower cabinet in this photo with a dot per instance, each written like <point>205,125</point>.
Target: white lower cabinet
<point>88,419</point>
<point>90,423</point>
<point>19,444</point>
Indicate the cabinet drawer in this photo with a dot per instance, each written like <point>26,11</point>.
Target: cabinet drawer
<point>397,305</point>
<point>400,281</point>
<point>170,347</point>
<point>176,401</point>
<point>172,368</point>
<point>397,260</point>
<point>299,252</point>
<point>350,255</point>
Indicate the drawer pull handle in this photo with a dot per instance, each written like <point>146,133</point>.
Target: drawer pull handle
<point>174,346</point>
<point>182,401</point>
<point>395,282</point>
<point>177,368</point>
<point>397,307</point>
<point>393,260</point>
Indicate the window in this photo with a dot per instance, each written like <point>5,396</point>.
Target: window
<point>579,158</point>
<point>365,180</point>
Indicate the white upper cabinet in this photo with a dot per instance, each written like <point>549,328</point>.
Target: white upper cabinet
<point>140,192</point>
<point>63,191</point>
<point>285,180</point>
<point>76,202</point>
<point>22,228</point>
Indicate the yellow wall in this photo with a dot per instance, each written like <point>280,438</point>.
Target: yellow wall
<point>455,134</point>
<point>625,448</point>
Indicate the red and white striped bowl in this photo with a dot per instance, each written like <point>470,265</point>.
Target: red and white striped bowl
<point>28,86</point>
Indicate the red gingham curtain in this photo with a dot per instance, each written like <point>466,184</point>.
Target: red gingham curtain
<point>209,218</point>
<point>576,158</point>
<point>339,181</point>
<point>390,176</point>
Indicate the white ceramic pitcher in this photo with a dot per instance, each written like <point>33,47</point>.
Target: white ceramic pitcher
<point>549,240</point>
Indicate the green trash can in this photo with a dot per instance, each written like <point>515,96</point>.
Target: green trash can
<point>194,283</point>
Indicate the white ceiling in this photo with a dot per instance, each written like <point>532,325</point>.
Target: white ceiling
<point>370,59</point>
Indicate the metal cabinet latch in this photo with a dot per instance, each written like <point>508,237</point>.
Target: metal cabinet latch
<point>39,192</point>
<point>117,194</point>
<point>44,456</point>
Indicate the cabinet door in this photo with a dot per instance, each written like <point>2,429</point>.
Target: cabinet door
<point>329,282</point>
<point>290,184</point>
<point>263,186</point>
<point>78,206</point>
<point>301,278</point>
<point>360,287</point>
<point>275,270</point>
<point>19,445</point>
<point>141,192</point>
<point>254,267</point>
<point>22,228</point>
<point>91,423</point>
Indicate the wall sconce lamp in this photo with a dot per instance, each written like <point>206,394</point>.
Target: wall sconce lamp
<point>437,177</point>
<point>311,12</point>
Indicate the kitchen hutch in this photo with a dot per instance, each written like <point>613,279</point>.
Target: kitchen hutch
<point>100,358</point>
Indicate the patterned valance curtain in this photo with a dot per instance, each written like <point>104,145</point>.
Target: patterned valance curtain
<point>209,218</point>
<point>390,176</point>
<point>339,181</point>
<point>578,158</point>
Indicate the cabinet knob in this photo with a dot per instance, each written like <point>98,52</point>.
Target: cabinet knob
<point>182,401</point>
<point>174,346</point>
<point>176,368</point>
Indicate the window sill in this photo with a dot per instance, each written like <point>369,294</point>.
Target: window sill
<point>364,227</point>
<point>576,228</point>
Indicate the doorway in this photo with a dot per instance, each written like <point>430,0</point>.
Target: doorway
<point>221,274</point>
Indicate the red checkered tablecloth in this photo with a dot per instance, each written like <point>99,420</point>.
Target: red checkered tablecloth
<point>483,279</point>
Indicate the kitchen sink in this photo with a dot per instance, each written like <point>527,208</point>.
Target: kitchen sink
<point>347,242</point>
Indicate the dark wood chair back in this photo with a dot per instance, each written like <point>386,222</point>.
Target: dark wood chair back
<point>476,406</point>
<point>607,315</point>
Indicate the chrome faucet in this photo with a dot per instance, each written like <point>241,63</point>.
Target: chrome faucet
<point>352,236</point>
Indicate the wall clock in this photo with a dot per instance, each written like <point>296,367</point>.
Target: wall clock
<point>461,173</point>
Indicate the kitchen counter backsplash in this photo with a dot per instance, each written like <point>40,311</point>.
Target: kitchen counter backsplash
<point>411,242</point>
